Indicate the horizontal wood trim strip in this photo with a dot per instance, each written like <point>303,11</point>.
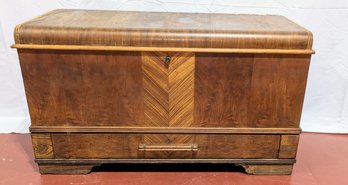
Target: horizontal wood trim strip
<point>164,49</point>
<point>104,161</point>
<point>188,130</point>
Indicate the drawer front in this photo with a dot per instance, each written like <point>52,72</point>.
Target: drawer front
<point>164,146</point>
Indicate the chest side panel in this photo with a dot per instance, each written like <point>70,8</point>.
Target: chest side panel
<point>233,90</point>
<point>80,88</point>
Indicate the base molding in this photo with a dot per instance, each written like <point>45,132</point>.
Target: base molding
<point>65,168</point>
<point>266,169</point>
<point>84,166</point>
<point>108,161</point>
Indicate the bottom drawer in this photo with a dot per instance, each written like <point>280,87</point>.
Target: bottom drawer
<point>162,146</point>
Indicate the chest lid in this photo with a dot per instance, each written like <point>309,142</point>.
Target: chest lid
<point>183,31</point>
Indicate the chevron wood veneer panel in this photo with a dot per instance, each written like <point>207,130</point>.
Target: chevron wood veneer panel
<point>168,89</point>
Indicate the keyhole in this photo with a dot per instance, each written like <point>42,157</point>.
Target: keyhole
<point>168,140</point>
<point>167,59</point>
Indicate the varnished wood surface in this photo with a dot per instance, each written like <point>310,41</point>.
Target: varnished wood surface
<point>168,141</point>
<point>163,49</point>
<point>168,89</point>
<point>83,89</point>
<point>117,28</point>
<point>109,89</point>
<point>288,146</point>
<point>268,169</point>
<point>168,147</point>
<point>177,130</point>
<point>84,166</point>
<point>278,89</point>
<point>42,145</point>
<point>235,146</point>
<point>107,161</point>
<point>126,146</point>
<point>235,90</point>
<point>100,89</point>
<point>64,169</point>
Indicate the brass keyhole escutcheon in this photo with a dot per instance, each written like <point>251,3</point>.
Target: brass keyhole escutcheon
<point>168,140</point>
<point>168,59</point>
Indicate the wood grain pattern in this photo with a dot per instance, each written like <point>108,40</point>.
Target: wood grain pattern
<point>100,90</point>
<point>288,146</point>
<point>97,146</point>
<point>42,145</point>
<point>168,147</point>
<point>164,49</point>
<point>122,28</point>
<point>237,146</point>
<point>277,91</point>
<point>268,169</point>
<point>168,89</point>
<point>222,90</point>
<point>64,169</point>
<point>108,161</point>
<point>235,90</point>
<point>125,146</point>
<point>163,130</point>
<point>167,140</point>
<point>66,88</point>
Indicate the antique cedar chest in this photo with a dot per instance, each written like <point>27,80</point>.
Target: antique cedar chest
<point>146,87</point>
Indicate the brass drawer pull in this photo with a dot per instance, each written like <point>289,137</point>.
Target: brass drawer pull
<point>168,147</point>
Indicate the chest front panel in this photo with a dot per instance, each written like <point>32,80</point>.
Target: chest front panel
<point>158,89</point>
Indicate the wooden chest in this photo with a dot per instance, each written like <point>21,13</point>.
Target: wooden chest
<point>141,87</point>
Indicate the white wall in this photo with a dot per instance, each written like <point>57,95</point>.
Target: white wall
<point>326,102</point>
